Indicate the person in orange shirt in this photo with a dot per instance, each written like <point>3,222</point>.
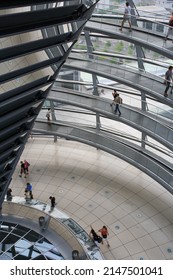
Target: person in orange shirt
<point>104,233</point>
<point>170,27</point>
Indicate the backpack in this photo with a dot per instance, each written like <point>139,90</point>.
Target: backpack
<point>121,100</point>
<point>99,240</point>
<point>96,237</point>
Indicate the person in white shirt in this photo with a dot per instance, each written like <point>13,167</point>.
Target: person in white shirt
<point>127,16</point>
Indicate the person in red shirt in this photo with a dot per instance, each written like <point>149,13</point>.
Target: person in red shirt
<point>26,167</point>
<point>104,233</point>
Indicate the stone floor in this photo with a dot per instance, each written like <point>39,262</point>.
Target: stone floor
<point>96,188</point>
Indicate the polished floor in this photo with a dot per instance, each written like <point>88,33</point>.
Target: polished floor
<point>96,188</point>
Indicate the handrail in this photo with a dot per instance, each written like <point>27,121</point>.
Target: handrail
<point>75,235</point>
<point>88,122</point>
<point>127,68</point>
<point>153,61</point>
<point>93,57</point>
<point>122,148</point>
<point>133,102</point>
<point>108,8</point>
<point>158,26</point>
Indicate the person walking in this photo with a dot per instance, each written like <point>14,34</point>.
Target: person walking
<point>22,169</point>
<point>114,94</point>
<point>168,80</point>
<point>28,187</point>
<point>127,16</point>
<point>52,200</point>
<point>48,115</point>
<point>26,167</point>
<point>104,233</point>
<point>118,100</point>
<point>170,28</point>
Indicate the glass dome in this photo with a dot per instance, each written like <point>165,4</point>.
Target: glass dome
<point>21,243</point>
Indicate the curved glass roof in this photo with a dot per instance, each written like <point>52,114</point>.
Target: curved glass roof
<point>20,243</point>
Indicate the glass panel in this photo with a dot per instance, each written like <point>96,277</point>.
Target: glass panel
<point>25,244</point>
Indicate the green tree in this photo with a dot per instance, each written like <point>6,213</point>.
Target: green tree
<point>119,46</point>
<point>108,44</point>
<point>130,50</point>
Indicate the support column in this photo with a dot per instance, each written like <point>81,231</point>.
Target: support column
<point>94,76</point>
<point>140,54</point>
<point>52,108</point>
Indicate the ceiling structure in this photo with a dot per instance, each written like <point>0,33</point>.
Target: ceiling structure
<point>28,68</point>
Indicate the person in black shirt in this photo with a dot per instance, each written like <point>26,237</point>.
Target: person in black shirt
<point>9,194</point>
<point>52,200</point>
<point>168,80</point>
<point>95,237</point>
<point>22,169</point>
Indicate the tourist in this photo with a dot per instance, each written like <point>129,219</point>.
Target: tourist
<point>168,80</point>
<point>52,200</point>
<point>104,233</point>
<point>127,16</point>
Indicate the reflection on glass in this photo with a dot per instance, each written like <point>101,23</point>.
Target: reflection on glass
<point>5,257</point>
<point>53,255</point>
<point>20,243</point>
<point>73,226</point>
<point>44,246</point>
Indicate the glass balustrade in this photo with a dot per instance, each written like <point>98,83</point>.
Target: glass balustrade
<point>73,117</point>
<point>150,30</point>
<point>124,73</point>
<point>129,100</point>
<point>109,18</point>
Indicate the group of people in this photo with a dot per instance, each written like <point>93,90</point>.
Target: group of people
<point>24,168</point>
<point>101,237</point>
<point>28,194</point>
<point>168,75</point>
